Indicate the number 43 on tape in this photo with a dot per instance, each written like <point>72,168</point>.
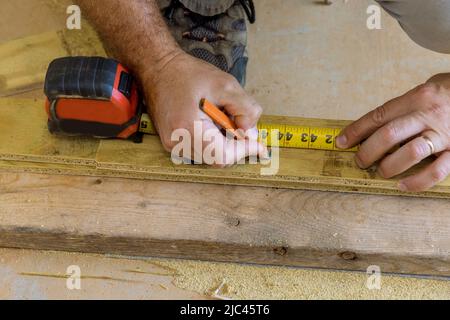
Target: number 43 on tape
<point>301,137</point>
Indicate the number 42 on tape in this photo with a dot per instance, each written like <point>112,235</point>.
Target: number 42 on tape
<point>301,137</point>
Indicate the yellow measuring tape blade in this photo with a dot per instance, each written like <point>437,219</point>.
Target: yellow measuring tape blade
<point>300,137</point>
<point>146,125</point>
<point>288,136</point>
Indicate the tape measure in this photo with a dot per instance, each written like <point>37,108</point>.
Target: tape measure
<point>98,97</point>
<point>288,136</point>
<point>300,137</point>
<point>146,126</point>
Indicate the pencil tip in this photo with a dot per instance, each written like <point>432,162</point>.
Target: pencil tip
<point>202,103</point>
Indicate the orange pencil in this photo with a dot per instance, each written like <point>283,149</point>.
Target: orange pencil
<point>220,118</point>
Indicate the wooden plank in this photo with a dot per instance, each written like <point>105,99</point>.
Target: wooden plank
<point>28,141</point>
<point>26,137</point>
<point>225,223</point>
<point>24,62</point>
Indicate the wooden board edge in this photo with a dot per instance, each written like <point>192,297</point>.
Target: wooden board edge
<point>300,184</point>
<point>39,239</point>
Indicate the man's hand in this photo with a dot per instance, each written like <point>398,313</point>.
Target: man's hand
<point>174,93</point>
<point>174,82</point>
<point>420,120</point>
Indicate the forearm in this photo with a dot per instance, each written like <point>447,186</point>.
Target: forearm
<point>134,31</point>
<point>137,34</point>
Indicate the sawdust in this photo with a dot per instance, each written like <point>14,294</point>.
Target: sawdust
<point>239,281</point>
<point>260,282</point>
<point>76,42</point>
<point>83,42</point>
<point>57,6</point>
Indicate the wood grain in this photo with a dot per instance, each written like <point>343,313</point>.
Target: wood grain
<point>24,62</point>
<point>232,223</point>
<point>26,137</point>
<point>27,146</point>
<point>225,223</point>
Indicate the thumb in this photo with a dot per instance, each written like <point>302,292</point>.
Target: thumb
<point>245,110</point>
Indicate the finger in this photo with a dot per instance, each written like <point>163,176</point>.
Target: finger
<point>252,133</point>
<point>368,124</point>
<point>435,173</point>
<point>202,141</point>
<point>226,151</point>
<point>237,150</point>
<point>245,110</point>
<point>387,137</point>
<point>409,155</point>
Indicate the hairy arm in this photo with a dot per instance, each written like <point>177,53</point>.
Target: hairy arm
<point>173,81</point>
<point>134,31</point>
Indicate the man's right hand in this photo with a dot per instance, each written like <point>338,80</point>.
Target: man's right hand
<point>173,94</point>
<point>174,82</point>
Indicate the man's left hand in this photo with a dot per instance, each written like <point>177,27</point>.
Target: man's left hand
<point>420,122</point>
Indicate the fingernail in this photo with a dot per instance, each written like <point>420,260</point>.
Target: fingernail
<point>253,133</point>
<point>381,173</point>
<point>402,187</point>
<point>359,163</point>
<point>341,142</point>
<point>267,155</point>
